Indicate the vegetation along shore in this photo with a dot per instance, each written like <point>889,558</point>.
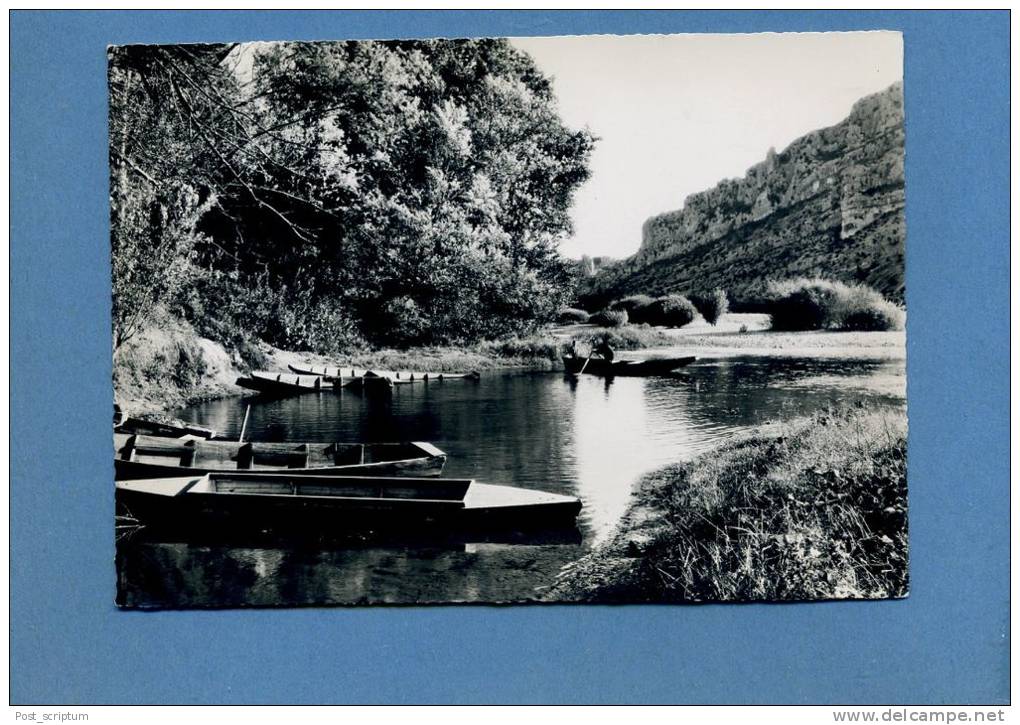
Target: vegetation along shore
<point>813,508</point>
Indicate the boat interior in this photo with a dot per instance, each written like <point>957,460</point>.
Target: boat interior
<point>446,490</point>
<point>303,381</point>
<point>193,453</point>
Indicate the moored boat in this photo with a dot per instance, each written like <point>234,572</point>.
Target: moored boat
<point>129,425</point>
<point>651,366</point>
<point>373,380</point>
<point>260,501</point>
<point>354,377</point>
<point>140,456</point>
<point>284,383</point>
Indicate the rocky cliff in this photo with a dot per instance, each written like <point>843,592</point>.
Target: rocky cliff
<point>831,204</point>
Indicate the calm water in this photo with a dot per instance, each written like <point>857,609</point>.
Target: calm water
<point>586,437</point>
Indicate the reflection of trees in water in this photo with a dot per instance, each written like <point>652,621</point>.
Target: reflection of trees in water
<point>181,575</point>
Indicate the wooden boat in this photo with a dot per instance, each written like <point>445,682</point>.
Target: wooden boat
<point>355,377</point>
<point>284,501</point>
<point>284,383</point>
<point>372,380</point>
<point>140,456</point>
<point>129,425</point>
<point>651,366</point>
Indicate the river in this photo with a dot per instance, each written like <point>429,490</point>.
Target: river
<point>586,437</point>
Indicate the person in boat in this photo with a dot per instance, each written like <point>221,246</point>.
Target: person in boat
<point>573,351</point>
<point>604,350</point>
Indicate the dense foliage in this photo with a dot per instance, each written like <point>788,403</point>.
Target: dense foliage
<point>667,311</point>
<point>632,303</point>
<point>672,310</point>
<point>609,318</point>
<point>314,195</point>
<point>820,304</point>
<point>712,306</point>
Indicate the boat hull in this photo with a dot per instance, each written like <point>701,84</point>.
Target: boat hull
<point>625,368</point>
<point>357,377</point>
<point>132,426</point>
<point>285,384</point>
<point>421,505</point>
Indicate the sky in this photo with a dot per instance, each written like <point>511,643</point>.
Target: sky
<point>676,114</point>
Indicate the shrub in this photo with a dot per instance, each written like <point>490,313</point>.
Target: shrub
<point>236,311</point>
<point>820,304</point>
<point>569,315</point>
<point>179,364</point>
<point>190,366</point>
<point>629,304</point>
<point>610,318</point>
<point>803,309</point>
<point>877,318</point>
<point>712,306</point>
<point>671,311</point>
<point>405,321</point>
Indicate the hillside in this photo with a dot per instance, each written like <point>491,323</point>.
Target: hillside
<point>830,204</point>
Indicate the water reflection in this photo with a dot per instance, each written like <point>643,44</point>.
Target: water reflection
<point>587,437</point>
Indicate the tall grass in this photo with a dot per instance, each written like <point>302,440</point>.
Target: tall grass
<point>817,510</point>
<point>528,348</point>
<point>821,304</point>
<point>628,337</point>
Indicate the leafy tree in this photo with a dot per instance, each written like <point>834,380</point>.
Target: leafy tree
<point>175,155</point>
<point>419,188</point>
<point>713,305</point>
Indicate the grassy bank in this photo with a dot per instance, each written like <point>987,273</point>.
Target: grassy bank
<point>749,334</point>
<point>810,509</point>
<point>169,365</point>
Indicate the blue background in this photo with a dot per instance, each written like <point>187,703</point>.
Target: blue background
<point>947,643</point>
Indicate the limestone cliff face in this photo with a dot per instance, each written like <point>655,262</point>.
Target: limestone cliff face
<point>830,204</point>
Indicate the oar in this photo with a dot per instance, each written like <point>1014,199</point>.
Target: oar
<point>244,425</point>
<point>585,365</point>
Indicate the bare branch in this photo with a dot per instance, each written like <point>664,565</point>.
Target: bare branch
<point>233,171</point>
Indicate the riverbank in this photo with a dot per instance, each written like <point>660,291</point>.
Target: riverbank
<point>168,365</point>
<point>749,334</point>
<point>812,508</point>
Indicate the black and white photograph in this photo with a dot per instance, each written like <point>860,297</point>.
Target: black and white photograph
<point>579,319</point>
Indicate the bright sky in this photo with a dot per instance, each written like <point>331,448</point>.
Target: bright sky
<point>679,113</point>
